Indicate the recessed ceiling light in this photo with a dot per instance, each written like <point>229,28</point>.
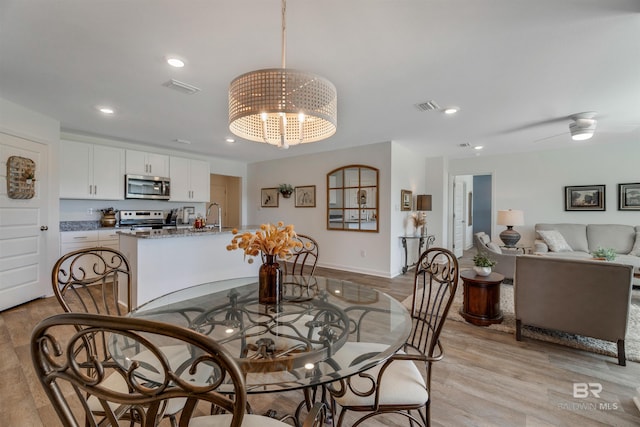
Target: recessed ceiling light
<point>106,110</point>
<point>478,147</point>
<point>451,110</point>
<point>175,62</point>
<point>230,140</point>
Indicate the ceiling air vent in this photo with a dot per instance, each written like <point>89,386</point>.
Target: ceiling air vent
<point>181,86</point>
<point>465,145</point>
<point>428,106</point>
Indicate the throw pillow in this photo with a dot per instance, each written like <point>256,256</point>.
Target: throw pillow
<point>555,240</point>
<point>636,246</point>
<point>494,247</point>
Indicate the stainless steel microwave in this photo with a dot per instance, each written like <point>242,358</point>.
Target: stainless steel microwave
<point>147,187</point>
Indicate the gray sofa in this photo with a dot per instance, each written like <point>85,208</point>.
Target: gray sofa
<point>583,297</point>
<point>506,262</point>
<point>583,239</point>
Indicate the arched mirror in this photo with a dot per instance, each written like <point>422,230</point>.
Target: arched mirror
<point>352,198</point>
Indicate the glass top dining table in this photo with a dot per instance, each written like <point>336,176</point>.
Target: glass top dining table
<point>315,335</point>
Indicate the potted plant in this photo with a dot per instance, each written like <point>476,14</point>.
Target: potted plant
<point>286,190</point>
<point>483,264</point>
<point>605,254</point>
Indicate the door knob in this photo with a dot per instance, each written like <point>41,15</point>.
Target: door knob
<point>44,228</point>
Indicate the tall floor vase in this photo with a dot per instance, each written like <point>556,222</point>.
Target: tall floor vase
<point>269,281</point>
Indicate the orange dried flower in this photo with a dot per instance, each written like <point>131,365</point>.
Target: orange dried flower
<point>276,240</point>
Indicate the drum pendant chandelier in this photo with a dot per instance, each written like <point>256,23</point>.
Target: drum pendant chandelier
<point>281,106</point>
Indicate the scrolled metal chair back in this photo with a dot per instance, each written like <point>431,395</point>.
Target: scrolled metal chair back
<point>93,280</point>
<point>303,259</point>
<point>435,284</point>
<point>196,369</point>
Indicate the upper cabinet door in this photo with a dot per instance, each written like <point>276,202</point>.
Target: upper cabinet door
<point>76,170</point>
<point>189,180</point>
<point>89,171</point>
<point>200,181</point>
<point>143,163</point>
<point>108,173</point>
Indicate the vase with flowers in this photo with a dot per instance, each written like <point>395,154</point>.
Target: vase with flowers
<point>418,220</point>
<point>272,242</point>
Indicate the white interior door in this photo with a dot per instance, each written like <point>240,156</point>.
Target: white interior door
<point>23,257</point>
<point>458,218</point>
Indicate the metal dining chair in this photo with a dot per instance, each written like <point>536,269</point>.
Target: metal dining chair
<point>97,280</point>
<point>93,280</point>
<point>70,372</point>
<point>399,386</point>
<point>303,258</point>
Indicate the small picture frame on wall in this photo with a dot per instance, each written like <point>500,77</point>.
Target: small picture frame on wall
<point>629,197</point>
<point>305,196</point>
<point>406,200</point>
<point>584,198</point>
<point>269,197</point>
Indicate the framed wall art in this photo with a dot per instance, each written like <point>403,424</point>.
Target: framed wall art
<point>629,197</point>
<point>305,196</point>
<point>269,197</point>
<point>584,198</point>
<point>406,200</point>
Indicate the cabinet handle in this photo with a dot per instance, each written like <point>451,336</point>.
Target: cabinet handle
<point>80,237</point>
<point>95,189</point>
<point>44,228</point>
<point>90,189</point>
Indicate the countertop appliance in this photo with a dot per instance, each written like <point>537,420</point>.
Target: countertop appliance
<point>147,187</point>
<point>146,220</point>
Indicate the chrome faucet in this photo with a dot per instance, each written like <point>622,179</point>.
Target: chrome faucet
<point>218,224</point>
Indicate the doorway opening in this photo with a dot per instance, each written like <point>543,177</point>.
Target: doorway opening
<point>471,209</point>
<point>227,192</point>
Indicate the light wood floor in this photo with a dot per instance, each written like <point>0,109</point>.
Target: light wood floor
<point>487,378</point>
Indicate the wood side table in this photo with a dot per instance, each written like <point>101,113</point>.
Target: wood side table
<point>481,305</point>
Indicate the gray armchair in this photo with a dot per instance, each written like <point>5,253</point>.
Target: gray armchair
<point>506,263</point>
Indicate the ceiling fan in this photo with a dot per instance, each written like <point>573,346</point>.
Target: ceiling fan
<point>582,126</point>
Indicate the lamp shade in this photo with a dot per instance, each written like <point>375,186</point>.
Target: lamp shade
<point>423,202</point>
<point>510,217</point>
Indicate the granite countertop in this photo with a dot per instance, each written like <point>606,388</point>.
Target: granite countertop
<point>83,226</point>
<point>186,232</point>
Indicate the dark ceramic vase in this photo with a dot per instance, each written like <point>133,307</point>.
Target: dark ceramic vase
<point>269,281</point>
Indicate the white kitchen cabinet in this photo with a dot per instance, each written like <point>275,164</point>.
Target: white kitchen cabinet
<point>143,163</point>
<point>74,240</point>
<point>189,180</point>
<point>89,171</point>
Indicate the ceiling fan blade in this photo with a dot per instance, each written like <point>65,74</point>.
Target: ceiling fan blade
<point>546,138</point>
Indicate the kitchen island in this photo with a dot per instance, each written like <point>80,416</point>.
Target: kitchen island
<point>164,261</point>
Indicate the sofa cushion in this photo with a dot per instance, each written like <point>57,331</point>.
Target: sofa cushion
<point>555,240</point>
<point>616,236</point>
<point>494,247</point>
<point>635,251</point>
<point>574,234</point>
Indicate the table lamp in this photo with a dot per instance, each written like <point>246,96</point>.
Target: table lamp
<point>423,204</point>
<point>510,218</point>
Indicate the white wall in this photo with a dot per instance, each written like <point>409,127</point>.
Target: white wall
<point>408,173</point>
<point>534,182</point>
<point>338,249</point>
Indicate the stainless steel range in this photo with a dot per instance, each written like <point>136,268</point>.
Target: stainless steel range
<point>147,219</point>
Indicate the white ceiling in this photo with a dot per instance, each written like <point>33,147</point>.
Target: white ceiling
<point>516,68</point>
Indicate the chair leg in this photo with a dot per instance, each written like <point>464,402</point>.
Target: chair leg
<point>518,330</point>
